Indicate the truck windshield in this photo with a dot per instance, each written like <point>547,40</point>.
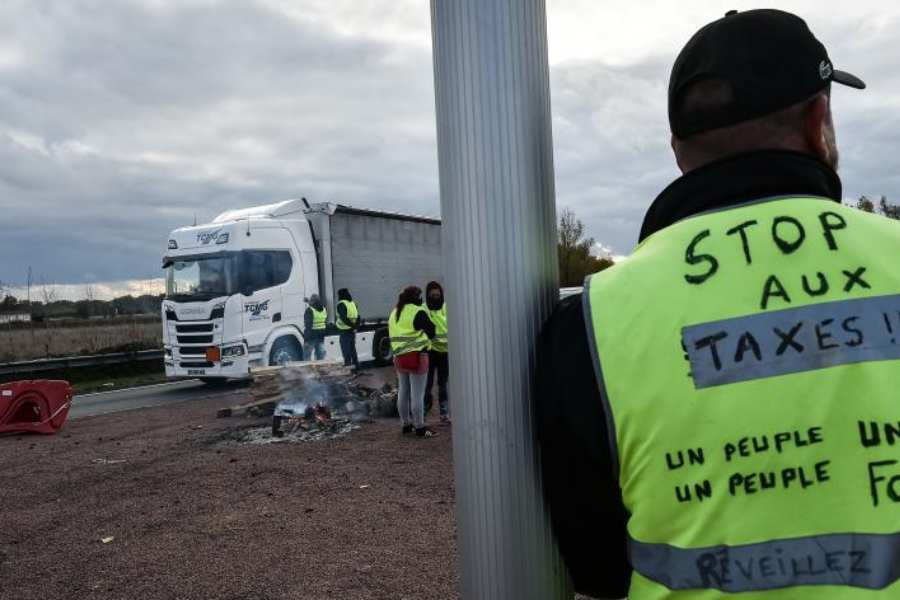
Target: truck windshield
<point>200,277</point>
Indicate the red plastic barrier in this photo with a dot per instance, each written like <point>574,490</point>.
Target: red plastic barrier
<point>39,406</point>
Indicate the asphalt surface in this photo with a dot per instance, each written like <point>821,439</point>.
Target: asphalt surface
<point>163,394</point>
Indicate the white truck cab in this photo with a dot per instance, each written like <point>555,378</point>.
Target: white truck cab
<point>237,288</point>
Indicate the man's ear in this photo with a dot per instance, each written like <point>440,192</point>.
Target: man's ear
<point>815,128</point>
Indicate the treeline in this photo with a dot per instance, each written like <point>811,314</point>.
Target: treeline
<point>574,252</point>
<point>881,206</point>
<point>83,309</point>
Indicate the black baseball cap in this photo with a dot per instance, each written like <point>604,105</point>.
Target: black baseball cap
<point>768,58</point>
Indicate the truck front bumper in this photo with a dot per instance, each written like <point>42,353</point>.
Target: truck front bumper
<point>237,367</point>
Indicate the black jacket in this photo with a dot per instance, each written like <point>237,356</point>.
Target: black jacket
<point>585,501</point>
<point>422,322</point>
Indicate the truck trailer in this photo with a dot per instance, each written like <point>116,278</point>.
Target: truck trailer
<point>237,288</point>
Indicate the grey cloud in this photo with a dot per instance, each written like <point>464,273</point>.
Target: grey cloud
<point>611,142</point>
<point>148,116</point>
<point>125,120</point>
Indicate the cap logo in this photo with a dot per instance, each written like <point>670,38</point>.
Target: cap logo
<point>825,69</point>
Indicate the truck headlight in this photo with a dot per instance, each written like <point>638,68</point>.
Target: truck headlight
<point>232,351</point>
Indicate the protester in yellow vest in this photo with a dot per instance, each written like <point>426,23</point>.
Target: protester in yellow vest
<point>718,416</point>
<point>438,362</point>
<point>411,332</point>
<point>314,322</point>
<point>347,321</point>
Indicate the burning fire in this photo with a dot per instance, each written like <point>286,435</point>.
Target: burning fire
<point>315,417</point>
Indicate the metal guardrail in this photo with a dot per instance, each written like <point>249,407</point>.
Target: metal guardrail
<point>75,362</point>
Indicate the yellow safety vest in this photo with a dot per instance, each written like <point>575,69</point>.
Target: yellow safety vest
<point>319,318</point>
<point>352,314</point>
<point>748,364</point>
<point>439,318</point>
<point>404,336</point>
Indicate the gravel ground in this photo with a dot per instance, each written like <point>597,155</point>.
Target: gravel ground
<point>192,515</point>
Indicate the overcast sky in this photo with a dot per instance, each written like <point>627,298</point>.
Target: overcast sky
<point>120,121</point>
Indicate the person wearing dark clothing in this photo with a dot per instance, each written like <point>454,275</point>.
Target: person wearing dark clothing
<point>438,360</point>
<point>744,140</point>
<point>314,323</point>
<point>347,322</point>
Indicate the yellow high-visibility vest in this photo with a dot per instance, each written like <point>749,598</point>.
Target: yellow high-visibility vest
<point>439,318</point>
<point>404,336</point>
<point>319,318</point>
<point>749,364</point>
<point>352,314</point>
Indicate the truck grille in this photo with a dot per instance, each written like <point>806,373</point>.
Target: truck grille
<point>194,328</point>
<point>192,350</point>
<point>195,339</point>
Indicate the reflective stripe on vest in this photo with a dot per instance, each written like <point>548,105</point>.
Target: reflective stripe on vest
<point>439,318</point>
<point>319,318</point>
<point>748,364</point>
<point>404,336</point>
<point>352,313</point>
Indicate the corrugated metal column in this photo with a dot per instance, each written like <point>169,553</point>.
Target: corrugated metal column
<point>499,237</point>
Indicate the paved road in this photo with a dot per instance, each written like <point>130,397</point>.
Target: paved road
<point>161,394</point>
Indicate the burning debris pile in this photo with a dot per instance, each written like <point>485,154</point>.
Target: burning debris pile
<point>378,395</point>
<point>311,401</point>
<point>315,419</point>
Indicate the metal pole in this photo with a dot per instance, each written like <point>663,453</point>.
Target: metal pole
<point>497,203</point>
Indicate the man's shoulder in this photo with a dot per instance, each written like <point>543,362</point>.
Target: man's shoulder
<point>566,320</point>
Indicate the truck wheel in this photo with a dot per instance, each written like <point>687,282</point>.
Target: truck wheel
<point>381,347</point>
<point>285,350</point>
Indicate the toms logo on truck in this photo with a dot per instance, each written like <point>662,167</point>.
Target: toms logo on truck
<point>257,310</point>
<point>208,236</point>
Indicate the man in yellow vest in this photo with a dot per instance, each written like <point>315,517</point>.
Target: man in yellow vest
<point>719,414</point>
<point>438,359</point>
<point>314,323</point>
<point>347,322</point>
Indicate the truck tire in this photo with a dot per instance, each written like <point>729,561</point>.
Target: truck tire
<point>381,347</point>
<point>285,349</point>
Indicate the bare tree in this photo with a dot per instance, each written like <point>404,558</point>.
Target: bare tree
<point>574,253</point>
<point>570,231</point>
<point>28,282</point>
<point>879,207</point>
<point>48,292</point>
<point>89,297</point>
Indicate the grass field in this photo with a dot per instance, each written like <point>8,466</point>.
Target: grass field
<point>49,340</point>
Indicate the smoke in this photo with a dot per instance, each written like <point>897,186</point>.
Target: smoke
<point>327,385</point>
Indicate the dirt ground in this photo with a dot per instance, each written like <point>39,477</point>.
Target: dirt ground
<point>368,515</point>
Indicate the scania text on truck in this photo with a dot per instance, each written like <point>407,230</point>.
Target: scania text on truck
<point>237,288</point>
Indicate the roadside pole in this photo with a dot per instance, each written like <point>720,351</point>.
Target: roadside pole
<point>499,238</point>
